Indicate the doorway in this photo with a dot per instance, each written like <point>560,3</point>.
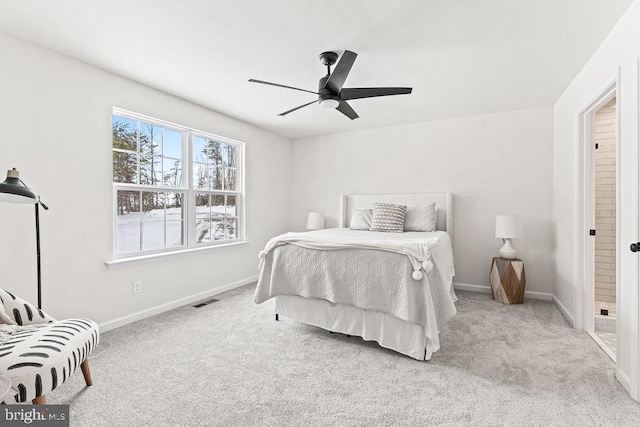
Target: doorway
<point>604,168</point>
<point>590,229</point>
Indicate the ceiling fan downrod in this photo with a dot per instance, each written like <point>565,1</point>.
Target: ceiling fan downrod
<point>328,59</point>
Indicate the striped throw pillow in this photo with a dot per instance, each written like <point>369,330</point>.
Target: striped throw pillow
<point>388,217</point>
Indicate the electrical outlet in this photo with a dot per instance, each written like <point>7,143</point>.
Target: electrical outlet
<point>137,286</point>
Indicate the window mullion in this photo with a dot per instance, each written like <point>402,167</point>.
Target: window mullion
<point>140,219</point>
<point>138,153</point>
<point>115,220</point>
<point>190,208</point>
<point>164,216</point>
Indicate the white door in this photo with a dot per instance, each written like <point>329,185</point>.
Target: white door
<point>628,304</point>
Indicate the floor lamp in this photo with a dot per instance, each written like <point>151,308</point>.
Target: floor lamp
<point>13,190</point>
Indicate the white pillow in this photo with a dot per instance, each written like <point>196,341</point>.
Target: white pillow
<point>420,218</point>
<point>361,219</point>
<point>388,217</point>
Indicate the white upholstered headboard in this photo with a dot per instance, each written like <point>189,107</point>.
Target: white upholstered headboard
<point>443,201</point>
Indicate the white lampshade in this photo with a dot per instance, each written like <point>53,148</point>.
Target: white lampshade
<point>508,227</point>
<point>315,221</point>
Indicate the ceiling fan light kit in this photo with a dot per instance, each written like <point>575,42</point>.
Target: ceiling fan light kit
<point>331,94</point>
<point>329,103</point>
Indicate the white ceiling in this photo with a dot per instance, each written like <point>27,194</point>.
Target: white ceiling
<point>462,57</point>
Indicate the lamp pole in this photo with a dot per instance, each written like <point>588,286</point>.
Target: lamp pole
<point>38,265</point>
<point>38,256</point>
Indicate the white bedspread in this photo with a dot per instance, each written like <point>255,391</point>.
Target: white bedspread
<point>371,279</point>
<point>416,250</point>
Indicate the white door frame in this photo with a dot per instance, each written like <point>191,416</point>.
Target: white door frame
<point>585,212</point>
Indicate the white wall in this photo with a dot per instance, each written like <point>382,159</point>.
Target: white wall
<point>619,52</point>
<point>55,121</point>
<point>493,164</point>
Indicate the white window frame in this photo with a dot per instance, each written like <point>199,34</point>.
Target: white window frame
<point>186,186</point>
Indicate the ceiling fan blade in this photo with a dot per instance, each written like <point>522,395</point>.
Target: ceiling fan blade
<point>340,72</point>
<point>279,85</point>
<point>370,92</point>
<point>297,108</point>
<point>346,109</point>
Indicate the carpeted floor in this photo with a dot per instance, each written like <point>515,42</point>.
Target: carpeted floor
<point>231,364</point>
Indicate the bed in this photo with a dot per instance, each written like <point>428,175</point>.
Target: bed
<point>392,288</point>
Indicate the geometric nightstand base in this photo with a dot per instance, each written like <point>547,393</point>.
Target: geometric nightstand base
<point>507,280</point>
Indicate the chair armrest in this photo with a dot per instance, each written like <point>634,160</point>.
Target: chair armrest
<point>22,312</point>
<point>5,388</point>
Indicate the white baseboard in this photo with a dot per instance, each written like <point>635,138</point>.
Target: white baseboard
<point>472,288</point>
<point>624,379</point>
<point>565,312</point>
<point>130,318</point>
<point>538,295</point>
<point>487,290</point>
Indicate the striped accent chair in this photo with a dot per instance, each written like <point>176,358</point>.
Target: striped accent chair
<point>38,353</point>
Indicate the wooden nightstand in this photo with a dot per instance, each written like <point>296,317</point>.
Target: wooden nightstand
<point>507,280</point>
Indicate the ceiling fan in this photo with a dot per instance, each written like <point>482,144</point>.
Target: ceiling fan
<point>331,94</point>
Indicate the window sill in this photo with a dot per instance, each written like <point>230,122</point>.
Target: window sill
<point>136,259</point>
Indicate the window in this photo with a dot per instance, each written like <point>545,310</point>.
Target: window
<point>174,187</point>
<point>214,182</point>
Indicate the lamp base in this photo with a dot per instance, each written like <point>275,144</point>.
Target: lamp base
<point>507,251</point>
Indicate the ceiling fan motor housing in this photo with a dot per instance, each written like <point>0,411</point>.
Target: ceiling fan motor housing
<point>325,93</point>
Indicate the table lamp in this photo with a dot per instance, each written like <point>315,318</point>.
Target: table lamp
<point>508,227</point>
<point>315,221</point>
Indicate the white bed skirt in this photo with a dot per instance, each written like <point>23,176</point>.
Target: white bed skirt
<point>387,330</point>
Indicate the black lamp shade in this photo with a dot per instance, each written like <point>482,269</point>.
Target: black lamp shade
<point>12,190</point>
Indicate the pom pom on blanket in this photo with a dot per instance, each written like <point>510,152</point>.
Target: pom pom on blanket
<point>262,255</point>
<point>417,275</point>
<point>427,265</point>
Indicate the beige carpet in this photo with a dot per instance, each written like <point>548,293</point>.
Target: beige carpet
<point>230,363</point>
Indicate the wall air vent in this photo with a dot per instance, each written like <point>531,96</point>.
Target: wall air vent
<point>202,304</point>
